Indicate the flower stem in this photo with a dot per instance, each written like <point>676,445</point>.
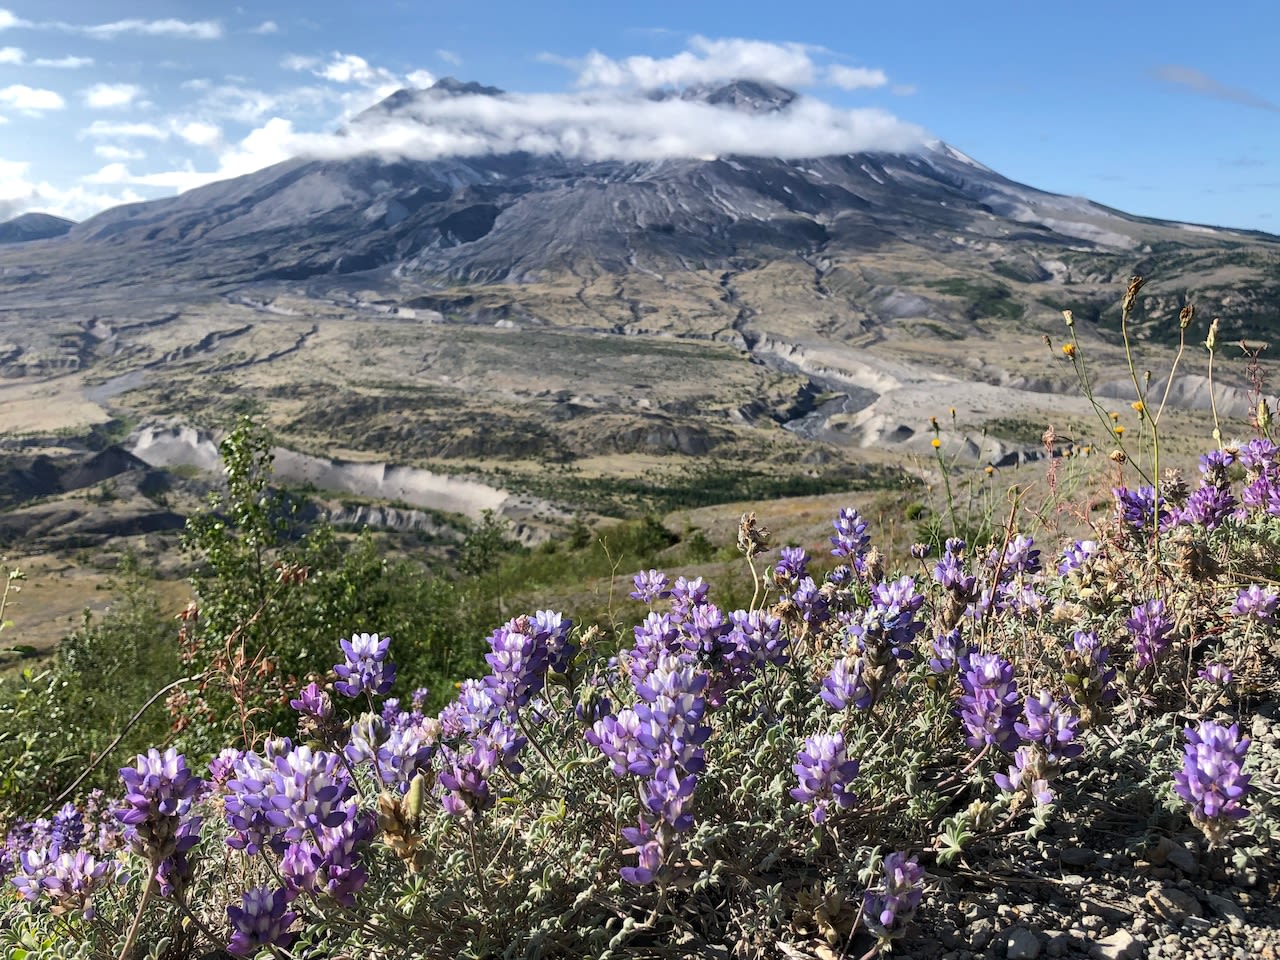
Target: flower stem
<point>132,936</point>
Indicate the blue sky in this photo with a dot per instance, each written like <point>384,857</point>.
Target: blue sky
<point>1167,109</point>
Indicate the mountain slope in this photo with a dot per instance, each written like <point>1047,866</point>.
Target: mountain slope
<point>33,226</point>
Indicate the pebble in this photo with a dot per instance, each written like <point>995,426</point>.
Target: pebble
<point>1094,908</point>
<point>1077,856</point>
<point>1227,910</point>
<point>1121,945</point>
<point>1022,944</point>
<point>1173,905</point>
<point>1185,860</point>
<point>980,933</point>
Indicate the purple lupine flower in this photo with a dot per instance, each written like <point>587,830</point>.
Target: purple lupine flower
<point>552,630</point>
<point>1208,506</point>
<point>463,785</point>
<point>73,878</point>
<point>263,919</point>
<point>1090,676</point>
<point>35,864</point>
<point>846,684</point>
<point>1214,468</point>
<point>310,789</point>
<point>1020,556</point>
<point>919,551</point>
<point>810,601</point>
<point>1254,603</point>
<point>988,707</point>
<point>365,670</point>
<point>313,702</point>
<point>1075,555</point>
<point>889,621</point>
<point>1048,724</point>
<point>824,772</point>
<point>792,566</point>
<point>949,573</point>
<point>159,790</point>
<point>1027,772</point>
<point>705,627</point>
<point>617,737</point>
<point>175,871</point>
<point>475,708</point>
<point>1216,673</point>
<point>851,539</point>
<point>247,805</point>
<point>1262,494</point>
<point>1258,455</point>
<point>1137,508</point>
<point>406,752</point>
<point>1211,779</point>
<point>650,585</point>
<point>66,832</point>
<point>327,863</point>
<point>1150,630</point>
<point>648,848</point>
<point>687,594</point>
<point>755,638</point>
<point>889,907</point>
<point>949,652</point>
<point>519,660</point>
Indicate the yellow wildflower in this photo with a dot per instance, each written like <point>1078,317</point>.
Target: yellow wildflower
<point>936,443</point>
<point>1069,351</point>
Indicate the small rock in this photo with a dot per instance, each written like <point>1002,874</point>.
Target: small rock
<point>980,933</point>
<point>1158,853</point>
<point>1185,860</point>
<point>1228,911</point>
<point>1073,880</point>
<point>1022,944</point>
<point>950,938</point>
<point>1077,856</point>
<point>1109,913</point>
<point>1056,945</point>
<point>1121,945</point>
<point>1173,905</point>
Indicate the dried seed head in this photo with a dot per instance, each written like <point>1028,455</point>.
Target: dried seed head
<point>1185,317</point>
<point>753,539</point>
<point>1211,340</point>
<point>1131,295</point>
<point>1264,413</point>
<point>1066,315</point>
<point>1174,487</point>
<point>1118,456</point>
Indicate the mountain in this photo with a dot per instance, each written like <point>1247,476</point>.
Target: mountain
<point>33,226</point>
<point>541,309</point>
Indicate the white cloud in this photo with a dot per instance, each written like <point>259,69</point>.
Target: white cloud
<point>296,61</point>
<point>855,78</point>
<point>64,63</point>
<point>265,27</point>
<point>107,128</point>
<point>200,134</point>
<point>11,55</point>
<point>196,30</point>
<point>109,152</point>
<point>104,96</point>
<point>448,56</point>
<point>7,20</point>
<point>111,173</point>
<point>30,100</point>
<point>20,194</point>
<point>707,61</point>
<point>351,69</point>
<point>420,79</point>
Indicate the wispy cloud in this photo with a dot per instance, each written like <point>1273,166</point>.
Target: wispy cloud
<point>12,55</point>
<point>30,100</point>
<point>706,61</point>
<point>855,78</point>
<point>448,56</point>
<point>109,151</point>
<point>127,131</point>
<point>20,193</point>
<point>192,29</point>
<point>265,27</point>
<point>1195,80</point>
<point>107,96</point>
